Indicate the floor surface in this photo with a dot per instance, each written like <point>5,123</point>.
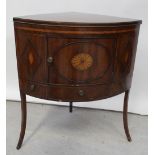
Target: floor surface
<point>52,130</point>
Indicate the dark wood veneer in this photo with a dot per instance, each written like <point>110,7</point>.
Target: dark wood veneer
<point>65,57</point>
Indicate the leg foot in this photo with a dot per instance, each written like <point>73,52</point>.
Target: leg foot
<point>70,106</point>
<point>125,115</point>
<point>23,121</point>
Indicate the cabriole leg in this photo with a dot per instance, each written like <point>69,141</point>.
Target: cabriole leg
<point>23,120</point>
<point>125,115</point>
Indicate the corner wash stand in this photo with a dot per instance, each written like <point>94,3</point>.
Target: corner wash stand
<point>75,57</point>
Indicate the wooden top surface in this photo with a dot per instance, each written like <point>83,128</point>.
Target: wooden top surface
<point>74,18</point>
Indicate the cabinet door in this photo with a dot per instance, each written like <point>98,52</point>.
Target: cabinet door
<point>31,51</point>
<point>81,60</point>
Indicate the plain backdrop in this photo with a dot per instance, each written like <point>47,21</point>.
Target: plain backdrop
<point>137,9</point>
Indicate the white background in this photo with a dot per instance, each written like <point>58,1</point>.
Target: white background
<point>123,8</point>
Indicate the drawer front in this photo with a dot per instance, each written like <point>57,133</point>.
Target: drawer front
<point>78,61</point>
<point>68,93</point>
<point>82,93</point>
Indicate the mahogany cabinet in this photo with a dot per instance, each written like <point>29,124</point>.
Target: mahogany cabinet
<point>75,57</point>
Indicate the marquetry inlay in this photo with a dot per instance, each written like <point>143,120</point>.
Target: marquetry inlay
<point>31,58</point>
<point>82,61</point>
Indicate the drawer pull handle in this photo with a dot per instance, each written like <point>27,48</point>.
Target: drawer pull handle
<point>81,92</point>
<point>50,60</point>
<point>32,87</point>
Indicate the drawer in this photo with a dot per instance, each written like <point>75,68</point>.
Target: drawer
<point>69,93</point>
<point>66,93</point>
<point>82,93</point>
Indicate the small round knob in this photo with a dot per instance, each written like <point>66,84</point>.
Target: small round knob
<point>81,92</point>
<point>50,60</point>
<point>32,87</point>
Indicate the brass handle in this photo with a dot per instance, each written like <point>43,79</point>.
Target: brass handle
<point>81,92</point>
<point>50,60</point>
<point>32,87</point>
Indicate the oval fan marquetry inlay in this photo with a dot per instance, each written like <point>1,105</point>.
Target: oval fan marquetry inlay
<point>82,61</point>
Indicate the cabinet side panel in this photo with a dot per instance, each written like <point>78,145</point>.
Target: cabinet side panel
<point>31,55</point>
<point>126,53</point>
